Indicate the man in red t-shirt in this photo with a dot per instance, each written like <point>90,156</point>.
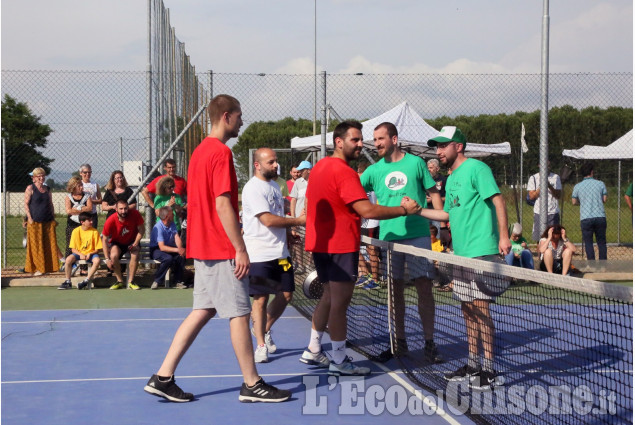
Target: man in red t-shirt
<point>180,184</point>
<point>335,202</point>
<point>122,233</point>
<point>220,258</point>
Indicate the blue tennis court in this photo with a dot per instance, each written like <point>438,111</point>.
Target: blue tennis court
<point>90,366</point>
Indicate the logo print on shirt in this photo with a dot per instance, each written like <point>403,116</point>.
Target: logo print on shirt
<point>396,180</point>
<point>124,231</point>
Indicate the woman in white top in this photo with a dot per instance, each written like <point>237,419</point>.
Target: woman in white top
<point>85,172</point>
<point>555,250</point>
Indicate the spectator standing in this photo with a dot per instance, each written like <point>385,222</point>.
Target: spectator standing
<point>296,208</point>
<point>295,174</point>
<point>42,252</point>
<point>117,188</point>
<point>628,197</point>
<point>435,172</point>
<point>590,194</point>
<point>166,247</point>
<point>180,184</point>
<point>76,202</point>
<point>554,191</point>
<point>92,188</point>
<point>122,233</point>
<point>265,233</point>
<point>220,259</point>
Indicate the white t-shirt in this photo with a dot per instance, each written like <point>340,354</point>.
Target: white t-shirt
<point>370,223</point>
<point>299,192</point>
<point>91,189</point>
<point>534,184</point>
<point>263,243</point>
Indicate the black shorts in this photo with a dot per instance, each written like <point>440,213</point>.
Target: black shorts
<point>122,248</point>
<point>336,267</point>
<point>373,232</point>
<point>269,277</point>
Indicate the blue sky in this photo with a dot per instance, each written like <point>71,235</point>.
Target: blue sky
<point>370,36</point>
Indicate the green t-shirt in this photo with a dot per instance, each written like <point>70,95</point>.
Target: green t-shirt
<point>517,246</point>
<point>162,200</point>
<point>629,191</point>
<point>472,214</point>
<point>391,181</point>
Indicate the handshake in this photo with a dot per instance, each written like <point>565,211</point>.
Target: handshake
<point>410,205</point>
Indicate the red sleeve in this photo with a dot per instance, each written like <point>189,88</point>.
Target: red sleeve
<point>350,188</point>
<point>221,181</point>
<point>107,230</point>
<point>152,186</point>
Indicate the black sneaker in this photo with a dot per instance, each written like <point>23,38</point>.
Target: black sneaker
<point>464,373</point>
<point>431,353</point>
<point>167,389</point>
<point>66,285</point>
<point>401,349</point>
<point>263,392</point>
<point>83,284</point>
<point>486,381</point>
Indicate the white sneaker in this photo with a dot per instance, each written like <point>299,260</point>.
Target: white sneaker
<point>155,285</point>
<point>271,346</point>
<point>261,355</point>
<point>315,359</point>
<point>347,368</point>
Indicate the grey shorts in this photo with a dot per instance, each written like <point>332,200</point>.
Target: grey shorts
<point>465,288</point>
<point>417,266</point>
<point>216,286</point>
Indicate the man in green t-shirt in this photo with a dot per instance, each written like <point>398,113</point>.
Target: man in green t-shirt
<point>628,197</point>
<point>395,175</point>
<point>478,218</point>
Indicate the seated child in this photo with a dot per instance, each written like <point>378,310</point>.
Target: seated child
<point>519,255</point>
<point>85,244</point>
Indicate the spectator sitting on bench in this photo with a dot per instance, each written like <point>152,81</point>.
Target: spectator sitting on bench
<point>520,255</point>
<point>166,247</point>
<point>85,245</point>
<point>122,233</point>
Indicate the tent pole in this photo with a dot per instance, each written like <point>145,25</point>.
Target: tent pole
<point>619,198</point>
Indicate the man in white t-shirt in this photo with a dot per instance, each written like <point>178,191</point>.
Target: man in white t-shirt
<point>553,195</point>
<point>265,234</point>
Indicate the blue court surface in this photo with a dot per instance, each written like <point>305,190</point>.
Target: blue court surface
<point>90,367</point>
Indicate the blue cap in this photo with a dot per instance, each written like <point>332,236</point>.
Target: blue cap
<point>305,165</point>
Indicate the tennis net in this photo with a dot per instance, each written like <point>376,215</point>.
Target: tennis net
<point>562,346</point>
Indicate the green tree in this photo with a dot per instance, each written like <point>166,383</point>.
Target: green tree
<point>273,135</point>
<point>24,135</point>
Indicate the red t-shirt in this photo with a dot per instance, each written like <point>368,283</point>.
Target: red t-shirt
<point>180,185</point>
<point>211,173</point>
<point>123,233</point>
<point>332,226</point>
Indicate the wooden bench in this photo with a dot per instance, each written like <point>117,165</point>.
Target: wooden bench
<point>144,258</point>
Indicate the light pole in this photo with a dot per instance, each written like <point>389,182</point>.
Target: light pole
<point>314,66</point>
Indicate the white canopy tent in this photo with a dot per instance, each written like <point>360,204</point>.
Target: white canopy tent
<point>622,148</point>
<point>414,134</point>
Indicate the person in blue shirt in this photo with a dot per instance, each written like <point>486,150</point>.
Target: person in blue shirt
<point>591,195</point>
<point>166,247</point>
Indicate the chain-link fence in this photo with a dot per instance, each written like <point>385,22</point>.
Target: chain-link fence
<point>102,118</point>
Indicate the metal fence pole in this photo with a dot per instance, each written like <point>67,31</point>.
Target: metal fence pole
<point>4,207</point>
<point>148,211</point>
<point>544,119</point>
<point>323,126</point>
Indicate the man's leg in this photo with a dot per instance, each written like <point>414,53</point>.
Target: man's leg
<point>115,256</point>
<point>527,259</point>
<point>95,266</point>
<point>373,253</point>
<point>178,267</point>
<point>132,266</point>
<point>162,269</point>
<point>600,237</point>
<point>183,338</point>
<point>258,315</point>
<point>587,237</point>
<point>276,308</point>
<point>425,305</point>
<point>509,258</point>
<point>243,348</point>
<point>68,266</point>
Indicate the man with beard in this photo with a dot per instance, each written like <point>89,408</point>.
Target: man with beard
<point>122,233</point>
<point>396,175</point>
<point>220,258</point>
<point>335,202</point>
<point>265,233</point>
<point>471,191</point>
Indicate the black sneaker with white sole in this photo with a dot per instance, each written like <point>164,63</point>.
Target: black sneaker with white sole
<point>486,381</point>
<point>167,389</point>
<point>83,284</point>
<point>66,285</point>
<point>262,392</point>
<point>431,353</point>
<point>465,373</point>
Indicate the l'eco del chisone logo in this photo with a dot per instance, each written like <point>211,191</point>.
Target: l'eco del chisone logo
<point>396,180</point>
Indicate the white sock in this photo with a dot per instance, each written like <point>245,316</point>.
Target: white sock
<point>315,343</point>
<point>339,351</point>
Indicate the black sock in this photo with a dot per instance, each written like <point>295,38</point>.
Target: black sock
<point>164,378</point>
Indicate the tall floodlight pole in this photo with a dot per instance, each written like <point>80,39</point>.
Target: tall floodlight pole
<point>544,118</point>
<point>324,128</point>
<point>148,212</point>
<point>314,66</point>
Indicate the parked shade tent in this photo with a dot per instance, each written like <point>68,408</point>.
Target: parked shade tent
<point>621,149</point>
<point>414,134</point>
